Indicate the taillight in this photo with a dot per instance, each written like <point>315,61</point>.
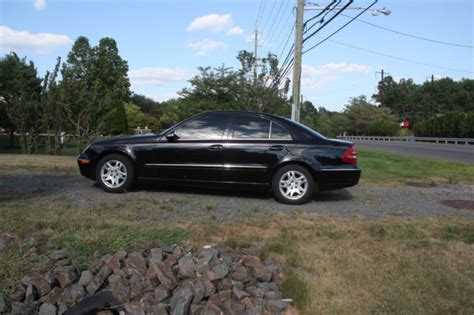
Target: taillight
<point>350,156</point>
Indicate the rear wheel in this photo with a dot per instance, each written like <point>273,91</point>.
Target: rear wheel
<point>293,184</point>
<point>115,173</point>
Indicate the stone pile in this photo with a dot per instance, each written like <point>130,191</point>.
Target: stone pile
<point>165,280</point>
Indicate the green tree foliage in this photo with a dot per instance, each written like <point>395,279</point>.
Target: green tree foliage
<point>95,88</point>
<point>137,118</point>
<point>224,88</point>
<point>452,124</point>
<point>417,102</point>
<point>146,104</point>
<point>54,114</point>
<point>20,90</point>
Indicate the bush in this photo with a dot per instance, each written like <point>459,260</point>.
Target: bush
<point>451,124</point>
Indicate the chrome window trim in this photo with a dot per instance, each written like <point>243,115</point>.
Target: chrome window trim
<point>224,166</point>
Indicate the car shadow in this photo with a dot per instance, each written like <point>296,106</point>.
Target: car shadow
<point>322,196</point>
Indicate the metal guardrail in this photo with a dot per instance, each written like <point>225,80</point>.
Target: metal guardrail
<point>410,139</point>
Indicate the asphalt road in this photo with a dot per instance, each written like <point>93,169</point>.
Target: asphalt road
<point>438,151</point>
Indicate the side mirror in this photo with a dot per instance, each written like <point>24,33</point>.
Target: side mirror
<point>172,136</point>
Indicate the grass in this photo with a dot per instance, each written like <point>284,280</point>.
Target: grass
<point>330,265</point>
<point>335,266</point>
<point>379,166</point>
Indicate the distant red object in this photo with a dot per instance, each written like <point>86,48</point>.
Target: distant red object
<point>405,124</point>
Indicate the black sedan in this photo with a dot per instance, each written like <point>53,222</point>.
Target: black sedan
<point>242,149</point>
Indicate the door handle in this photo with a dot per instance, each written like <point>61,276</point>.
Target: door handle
<point>216,147</point>
<point>277,147</point>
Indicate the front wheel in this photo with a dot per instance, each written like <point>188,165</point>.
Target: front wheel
<point>115,173</point>
<point>293,184</point>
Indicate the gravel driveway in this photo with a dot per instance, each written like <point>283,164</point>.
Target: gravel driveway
<point>179,204</point>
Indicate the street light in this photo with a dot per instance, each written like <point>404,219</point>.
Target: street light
<point>384,11</point>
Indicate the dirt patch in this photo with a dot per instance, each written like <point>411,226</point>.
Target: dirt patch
<point>459,204</point>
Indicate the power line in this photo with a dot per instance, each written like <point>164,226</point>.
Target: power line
<point>328,9</point>
<point>340,28</point>
<point>411,35</point>
<point>399,58</point>
<point>272,29</point>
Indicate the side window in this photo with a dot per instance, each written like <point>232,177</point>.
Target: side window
<point>279,133</point>
<point>209,127</point>
<point>247,127</point>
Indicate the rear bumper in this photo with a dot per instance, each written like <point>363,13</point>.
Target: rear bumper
<point>339,177</point>
<point>86,166</point>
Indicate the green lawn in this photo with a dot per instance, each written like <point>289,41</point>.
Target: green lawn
<point>379,166</point>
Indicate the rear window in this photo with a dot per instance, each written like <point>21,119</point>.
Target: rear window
<point>248,127</point>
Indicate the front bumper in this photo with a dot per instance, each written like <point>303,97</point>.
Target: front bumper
<point>86,166</point>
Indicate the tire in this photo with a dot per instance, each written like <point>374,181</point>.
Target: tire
<point>115,173</point>
<point>293,184</point>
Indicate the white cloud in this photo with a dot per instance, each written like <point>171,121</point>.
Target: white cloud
<point>39,4</point>
<point>157,76</point>
<point>236,30</point>
<point>213,22</point>
<point>205,46</point>
<point>317,77</point>
<point>11,40</point>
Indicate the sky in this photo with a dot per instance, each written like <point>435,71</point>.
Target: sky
<point>166,41</point>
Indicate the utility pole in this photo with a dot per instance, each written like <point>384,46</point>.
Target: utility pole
<point>381,87</point>
<point>432,95</point>
<point>255,56</point>
<point>295,108</point>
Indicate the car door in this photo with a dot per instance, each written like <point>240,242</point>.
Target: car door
<point>253,150</point>
<point>193,151</point>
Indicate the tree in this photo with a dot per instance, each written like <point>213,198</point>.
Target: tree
<point>20,90</point>
<point>146,104</point>
<point>95,88</point>
<point>136,118</point>
<point>54,113</point>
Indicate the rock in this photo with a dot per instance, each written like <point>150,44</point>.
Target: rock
<point>239,294</point>
<point>232,307</point>
<point>136,260</point>
<point>53,296</point>
<point>196,309</point>
<point>250,261</point>
<point>137,284</point>
<point>121,254</point>
<point>170,261</point>
<point>208,256</point>
<point>30,295</point>
<point>262,273</point>
<point>241,274</point>
<point>167,249</point>
<point>47,309</point>
<point>62,308</point>
<point>212,309</point>
<point>49,277</point>
<point>17,292</point>
<point>177,252</point>
<point>221,297</point>
<point>161,293</point>
<point>199,291</point>
<point>98,279</point>
<point>210,288</point>
<point>160,309</point>
<point>134,310</point>
<point>59,254</point>
<point>42,286</point>
<point>3,306</point>
<point>105,312</point>
<point>247,302</point>
<point>113,263</point>
<point>254,250</point>
<point>267,286</point>
<point>85,278</point>
<point>147,302</point>
<point>225,284</point>
<point>255,292</point>
<point>187,267</point>
<point>120,288</point>
<point>26,280</point>
<point>181,300</point>
<point>72,294</point>
<point>276,306</point>
<point>64,275</point>
<point>18,308</point>
<point>156,254</point>
<point>165,274</point>
<point>219,271</point>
